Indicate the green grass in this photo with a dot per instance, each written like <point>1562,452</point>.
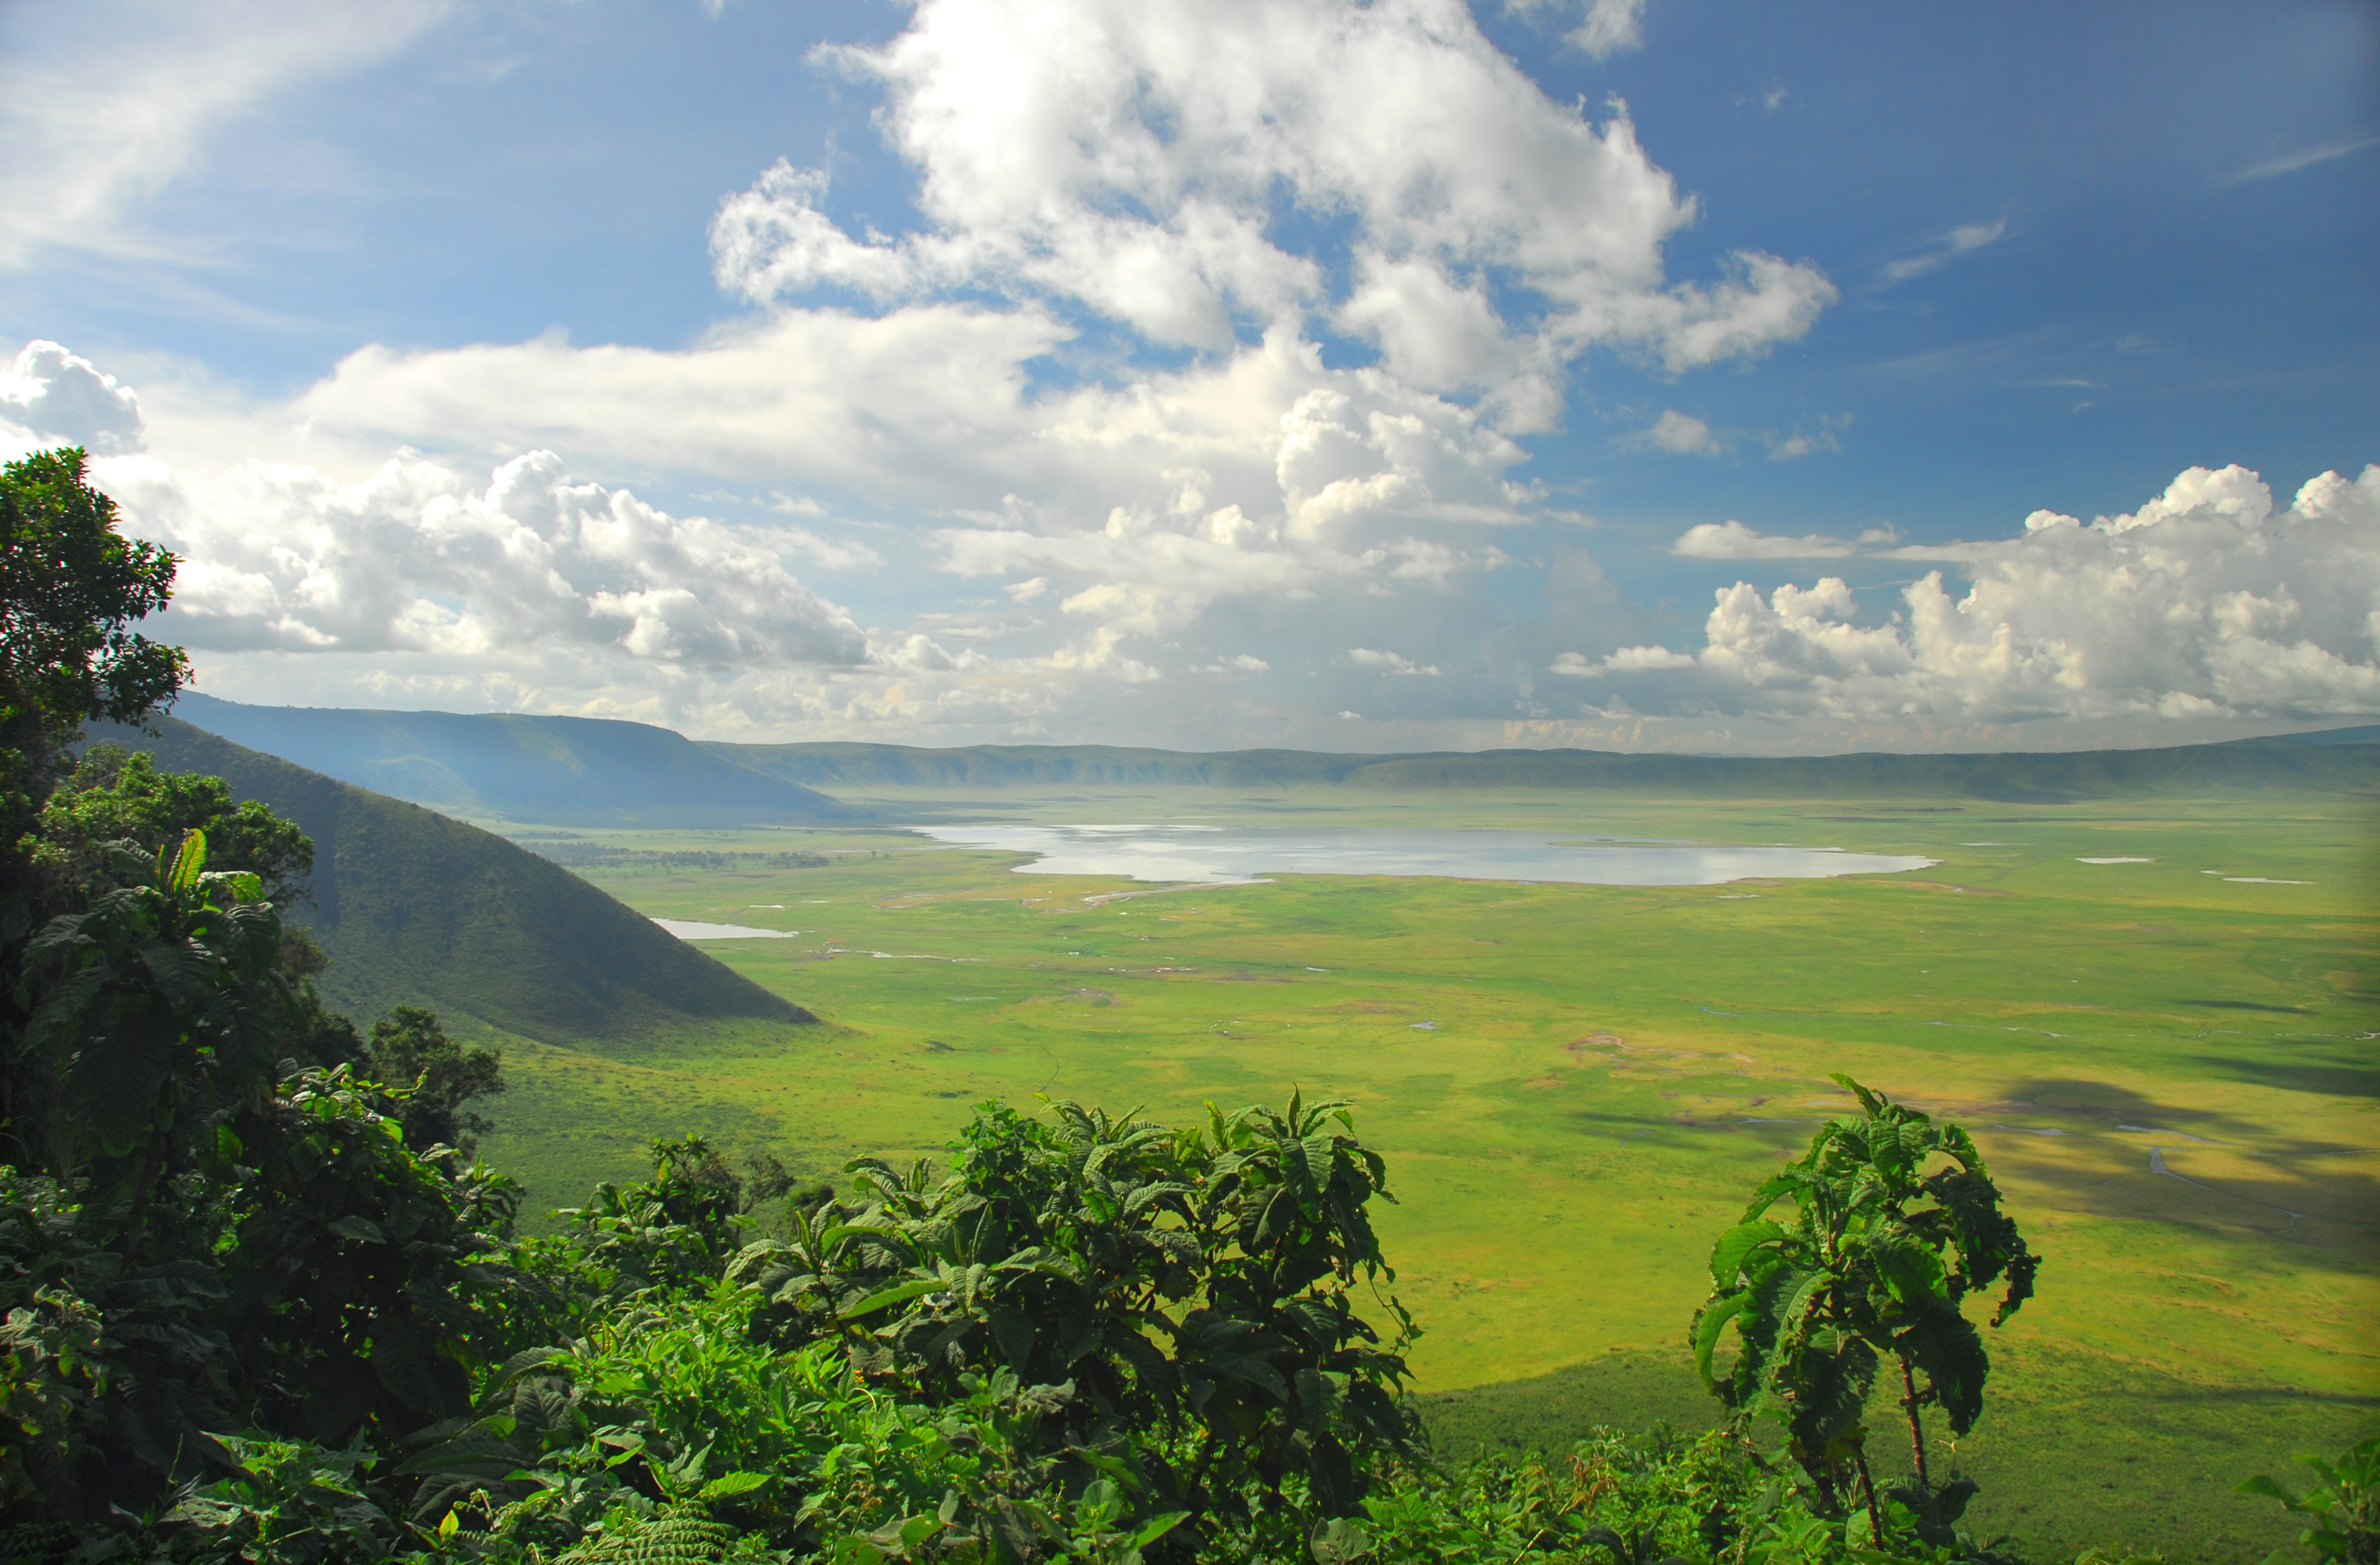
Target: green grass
<point>1612,1069</point>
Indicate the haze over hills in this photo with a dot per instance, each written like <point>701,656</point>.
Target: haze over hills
<point>567,770</point>
<point>560,771</point>
<point>414,908</point>
<point>2341,759</point>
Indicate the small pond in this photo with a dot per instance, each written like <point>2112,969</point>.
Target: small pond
<point>1224,855</point>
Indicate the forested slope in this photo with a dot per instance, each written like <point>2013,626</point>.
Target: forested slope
<point>415,908</point>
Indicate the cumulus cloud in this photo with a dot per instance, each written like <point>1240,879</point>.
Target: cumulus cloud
<point>2206,602</point>
<point>53,398</point>
<point>1683,433</point>
<point>416,559</point>
<point>1731,539</point>
<point>1626,660</point>
<point>1079,165</point>
<point>1130,159</point>
<point>1392,662</point>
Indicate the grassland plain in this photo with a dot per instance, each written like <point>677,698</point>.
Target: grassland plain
<point>2169,1061</point>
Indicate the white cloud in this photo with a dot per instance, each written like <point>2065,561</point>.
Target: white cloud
<point>1683,433</point>
<point>416,559</point>
<point>1610,27</point>
<point>102,105</point>
<point>1243,662</point>
<point>1626,660</point>
<point>1731,539</point>
<point>1963,240</point>
<point>1077,159</point>
<point>53,398</point>
<point>2206,602</point>
<point>1128,158</point>
<point>1606,27</point>
<point>1356,482</point>
<point>2289,162</point>
<point>1805,442</point>
<point>1367,657</point>
<point>919,653</point>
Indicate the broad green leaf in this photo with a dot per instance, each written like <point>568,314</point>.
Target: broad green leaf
<point>895,1295</point>
<point>729,1484</point>
<point>1709,1325</point>
<point>1158,1527</point>
<point>1738,1243</point>
<point>183,873</point>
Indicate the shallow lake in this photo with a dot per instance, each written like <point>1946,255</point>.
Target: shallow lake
<point>696,930</point>
<point>1224,855</point>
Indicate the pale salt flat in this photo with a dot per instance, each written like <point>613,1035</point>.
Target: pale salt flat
<point>696,930</point>
<point>1226,855</point>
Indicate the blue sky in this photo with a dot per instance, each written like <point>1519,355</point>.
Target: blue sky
<point>1413,376</point>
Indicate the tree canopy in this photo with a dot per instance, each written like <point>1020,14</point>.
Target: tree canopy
<point>71,589</point>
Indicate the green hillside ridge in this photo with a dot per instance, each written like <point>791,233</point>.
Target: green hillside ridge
<point>2345,761</point>
<point>556,770</point>
<point>414,908</point>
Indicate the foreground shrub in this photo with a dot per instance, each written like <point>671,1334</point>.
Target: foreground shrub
<point>1894,1224</point>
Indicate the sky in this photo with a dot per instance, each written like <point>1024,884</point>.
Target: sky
<point>1636,374</point>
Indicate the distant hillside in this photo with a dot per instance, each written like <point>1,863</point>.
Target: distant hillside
<point>589,771</point>
<point>2369,733</point>
<point>415,908</point>
<point>563,770</point>
<point>2340,761</point>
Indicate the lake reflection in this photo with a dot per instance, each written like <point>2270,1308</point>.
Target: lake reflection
<point>1224,855</point>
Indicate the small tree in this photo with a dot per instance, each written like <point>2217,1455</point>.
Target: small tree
<point>1895,1222</point>
<point>409,1048</point>
<point>116,796</point>
<point>71,586</point>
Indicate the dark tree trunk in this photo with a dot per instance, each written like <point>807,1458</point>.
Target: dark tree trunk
<point>1916,1427</point>
<point>1867,1487</point>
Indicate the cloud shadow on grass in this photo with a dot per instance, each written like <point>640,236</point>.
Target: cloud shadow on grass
<point>2328,1067</point>
<point>2332,1220</point>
